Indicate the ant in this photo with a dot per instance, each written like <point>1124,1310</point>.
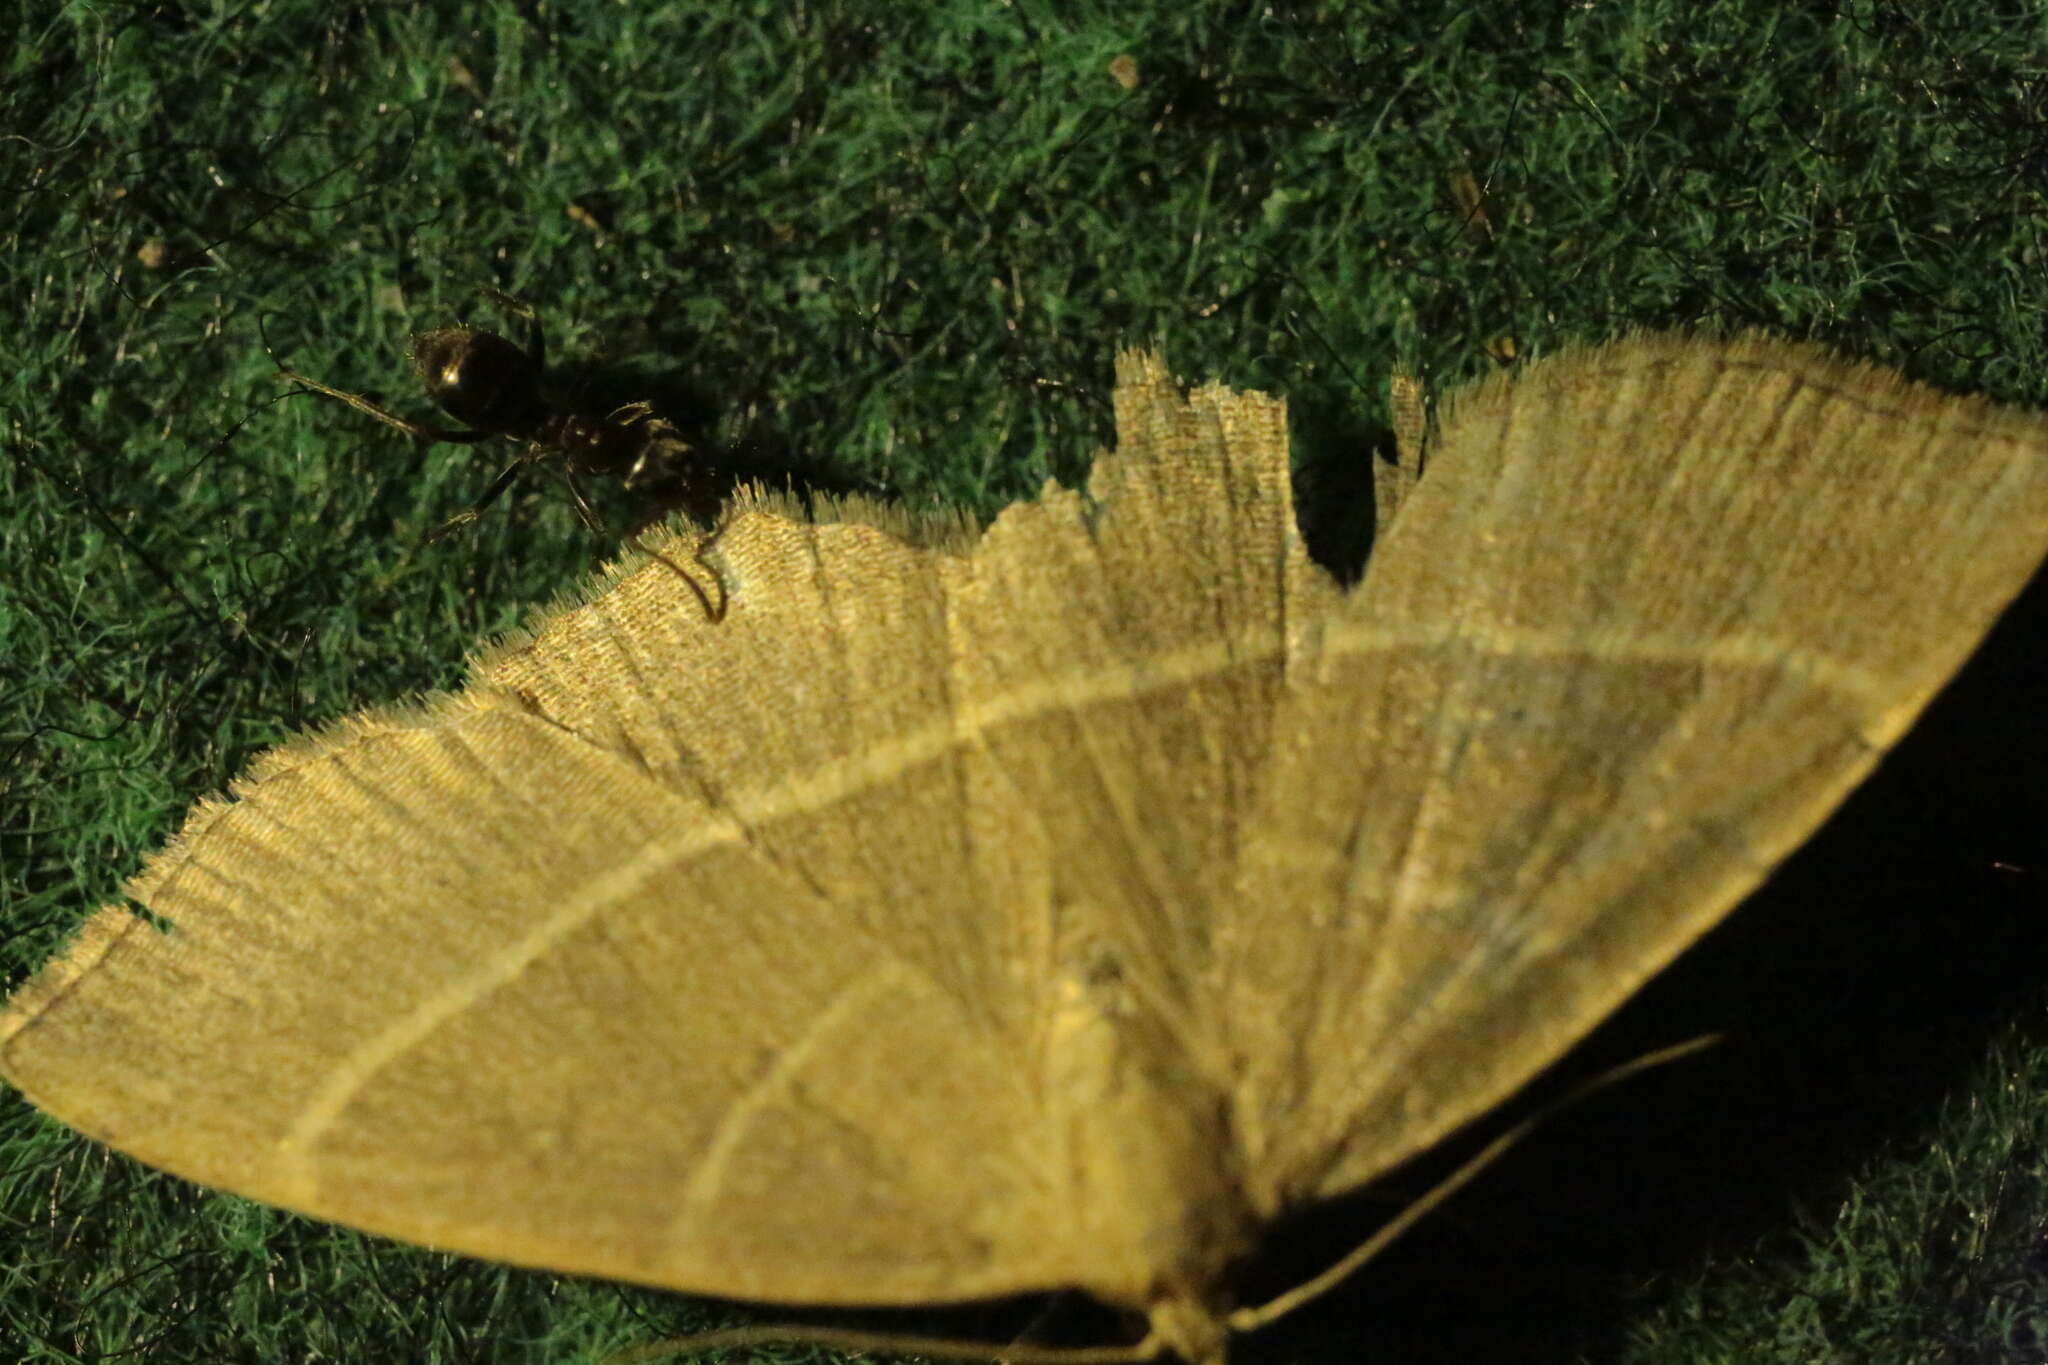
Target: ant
<point>497,389</point>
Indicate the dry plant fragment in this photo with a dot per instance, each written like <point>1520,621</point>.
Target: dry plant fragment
<point>1058,909</point>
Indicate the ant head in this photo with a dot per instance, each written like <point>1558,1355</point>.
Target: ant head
<point>480,378</point>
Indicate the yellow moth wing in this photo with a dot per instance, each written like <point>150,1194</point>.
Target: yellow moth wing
<point>598,964</point>
<point>1058,908</point>
<point>1652,611</point>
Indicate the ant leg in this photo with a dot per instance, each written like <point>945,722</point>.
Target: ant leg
<point>583,507</point>
<point>712,613</point>
<point>419,431</point>
<point>590,519</point>
<point>536,339</point>
<point>704,544</point>
<point>490,495</point>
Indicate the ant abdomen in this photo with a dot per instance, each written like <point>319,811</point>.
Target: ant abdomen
<point>482,379</point>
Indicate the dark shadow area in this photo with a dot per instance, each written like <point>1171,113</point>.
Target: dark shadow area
<point>1334,452</point>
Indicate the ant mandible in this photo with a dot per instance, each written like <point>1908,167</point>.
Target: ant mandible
<point>497,389</point>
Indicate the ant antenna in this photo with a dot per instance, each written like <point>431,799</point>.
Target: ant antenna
<point>713,614</point>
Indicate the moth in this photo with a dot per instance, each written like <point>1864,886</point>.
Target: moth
<point>1062,906</point>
